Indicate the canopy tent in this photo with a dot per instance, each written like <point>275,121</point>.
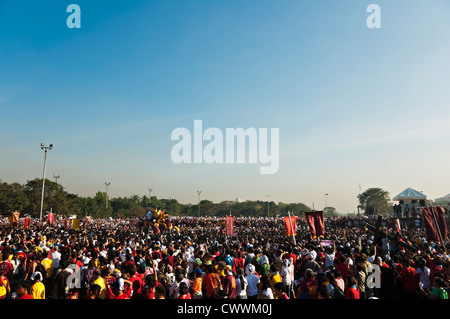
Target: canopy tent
<point>410,194</point>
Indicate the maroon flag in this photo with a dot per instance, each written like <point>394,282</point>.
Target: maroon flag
<point>50,218</point>
<point>230,225</point>
<point>66,224</point>
<point>435,224</point>
<point>291,225</point>
<point>315,223</point>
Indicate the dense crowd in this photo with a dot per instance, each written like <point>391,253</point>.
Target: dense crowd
<point>193,258</point>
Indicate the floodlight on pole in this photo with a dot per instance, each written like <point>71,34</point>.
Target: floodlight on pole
<point>199,192</point>
<point>46,149</point>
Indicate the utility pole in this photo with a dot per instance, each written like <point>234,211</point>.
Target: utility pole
<point>106,201</point>
<point>268,205</point>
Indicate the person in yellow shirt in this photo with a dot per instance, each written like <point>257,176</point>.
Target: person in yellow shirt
<point>38,288</point>
<point>97,279</point>
<point>5,289</point>
<point>274,275</point>
<point>48,264</point>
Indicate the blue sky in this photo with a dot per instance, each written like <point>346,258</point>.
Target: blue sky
<point>354,105</point>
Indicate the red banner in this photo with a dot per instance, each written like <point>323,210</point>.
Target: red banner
<point>51,217</point>
<point>230,225</point>
<point>315,223</point>
<point>291,225</point>
<point>27,222</point>
<point>435,224</point>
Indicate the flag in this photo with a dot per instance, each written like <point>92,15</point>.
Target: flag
<point>76,224</point>
<point>66,224</point>
<point>26,222</point>
<point>291,225</point>
<point>315,223</point>
<point>397,225</point>
<point>435,225</point>
<point>50,218</point>
<point>230,225</point>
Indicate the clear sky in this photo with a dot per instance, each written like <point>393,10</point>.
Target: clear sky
<point>354,106</point>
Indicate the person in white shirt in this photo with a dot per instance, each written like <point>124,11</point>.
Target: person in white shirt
<point>241,285</point>
<point>424,273</point>
<point>286,276</point>
<point>252,281</point>
<point>55,256</point>
<point>329,257</point>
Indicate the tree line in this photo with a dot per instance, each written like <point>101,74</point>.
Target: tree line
<point>26,199</point>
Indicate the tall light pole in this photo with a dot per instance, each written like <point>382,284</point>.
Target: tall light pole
<point>326,199</point>
<point>45,148</point>
<point>199,192</point>
<point>268,205</point>
<point>107,185</point>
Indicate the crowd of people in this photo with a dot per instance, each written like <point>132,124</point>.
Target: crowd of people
<point>194,258</point>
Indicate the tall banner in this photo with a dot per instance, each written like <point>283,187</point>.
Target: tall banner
<point>230,225</point>
<point>435,224</point>
<point>76,224</point>
<point>51,217</point>
<point>315,223</point>
<point>290,224</point>
<point>26,222</point>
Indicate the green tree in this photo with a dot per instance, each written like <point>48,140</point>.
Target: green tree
<point>96,206</point>
<point>330,212</point>
<point>375,201</point>
<point>55,198</point>
<point>12,198</point>
<point>293,208</point>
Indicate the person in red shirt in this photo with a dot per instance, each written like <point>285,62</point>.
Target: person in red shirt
<point>229,283</point>
<point>136,281</point>
<point>184,291</point>
<point>109,280</point>
<point>121,289</point>
<point>351,292</point>
<point>23,290</point>
<point>148,291</point>
<point>6,267</point>
<point>410,279</point>
<point>343,268</point>
<point>289,254</point>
